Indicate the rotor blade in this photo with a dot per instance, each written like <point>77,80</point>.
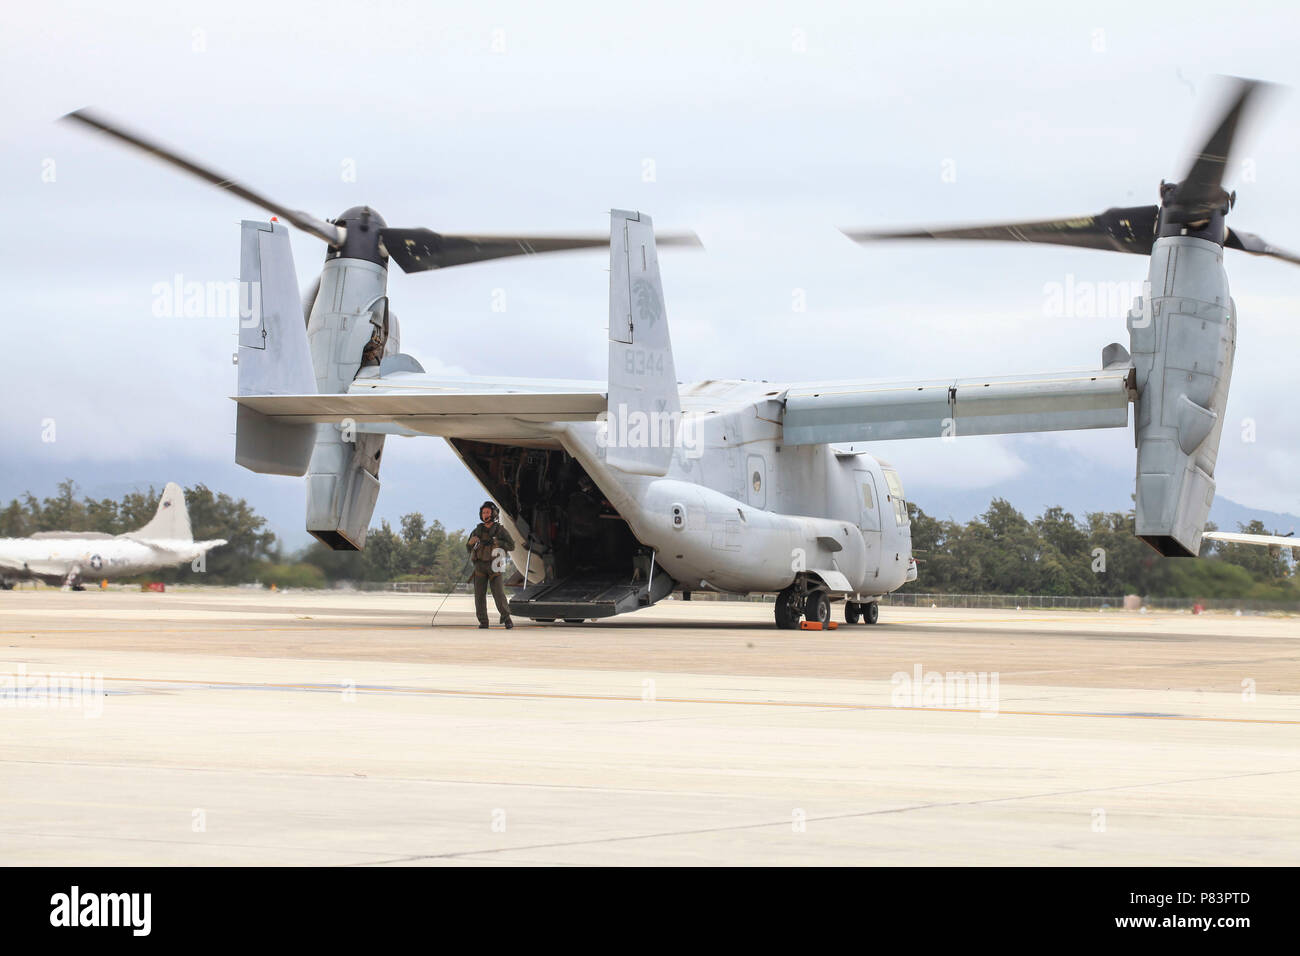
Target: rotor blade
<point>1130,229</point>
<point>1249,242</point>
<point>419,250</point>
<point>302,220</point>
<point>1201,190</point>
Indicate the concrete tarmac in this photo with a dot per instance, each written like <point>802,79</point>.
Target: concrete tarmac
<point>235,726</point>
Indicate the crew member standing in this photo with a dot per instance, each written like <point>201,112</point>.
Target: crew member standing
<point>489,563</point>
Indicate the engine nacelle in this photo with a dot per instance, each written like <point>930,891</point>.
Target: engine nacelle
<point>349,328</point>
<point>343,486</point>
<point>1183,335</point>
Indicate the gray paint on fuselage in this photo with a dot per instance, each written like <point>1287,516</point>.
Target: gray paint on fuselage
<point>812,495</point>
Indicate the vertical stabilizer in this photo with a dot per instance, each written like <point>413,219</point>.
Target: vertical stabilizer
<point>644,407</point>
<point>171,522</point>
<point>274,358</point>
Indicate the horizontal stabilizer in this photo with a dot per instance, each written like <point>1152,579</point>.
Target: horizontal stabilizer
<point>71,536</point>
<point>408,407</point>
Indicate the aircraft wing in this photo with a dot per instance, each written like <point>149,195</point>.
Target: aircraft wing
<point>1047,401</point>
<point>1264,540</point>
<point>46,570</point>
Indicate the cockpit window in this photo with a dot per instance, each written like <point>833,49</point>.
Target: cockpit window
<point>895,485</point>
<point>896,497</point>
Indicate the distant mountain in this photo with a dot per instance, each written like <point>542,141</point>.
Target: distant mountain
<point>1229,515</point>
<point>1077,485</point>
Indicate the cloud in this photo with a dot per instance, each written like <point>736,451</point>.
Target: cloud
<point>518,117</point>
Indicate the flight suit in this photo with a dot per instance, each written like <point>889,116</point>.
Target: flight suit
<point>489,539</point>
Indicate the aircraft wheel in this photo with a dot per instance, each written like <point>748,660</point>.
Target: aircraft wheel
<point>817,607</point>
<point>852,612</point>
<point>546,620</point>
<point>574,620</point>
<point>871,612</point>
<point>787,609</point>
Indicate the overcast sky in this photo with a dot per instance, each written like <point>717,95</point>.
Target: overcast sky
<point>763,126</point>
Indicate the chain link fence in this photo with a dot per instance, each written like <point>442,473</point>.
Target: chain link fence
<point>1002,601</point>
<point>1093,603</point>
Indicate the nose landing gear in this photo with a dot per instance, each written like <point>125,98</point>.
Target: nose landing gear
<point>868,612</point>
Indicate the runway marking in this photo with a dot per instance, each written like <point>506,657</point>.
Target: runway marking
<point>613,698</point>
<point>818,819</point>
<point>192,844</point>
<point>219,629</point>
<point>365,624</point>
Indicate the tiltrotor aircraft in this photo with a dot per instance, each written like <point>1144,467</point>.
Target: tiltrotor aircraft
<point>619,493</point>
<point>64,557</point>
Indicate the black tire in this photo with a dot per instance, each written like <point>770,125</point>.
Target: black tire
<point>787,609</point>
<point>545,620</point>
<point>574,620</point>
<point>817,607</point>
<point>852,612</point>
<point>871,612</point>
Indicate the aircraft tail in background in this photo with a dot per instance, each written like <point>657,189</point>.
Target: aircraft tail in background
<point>171,522</point>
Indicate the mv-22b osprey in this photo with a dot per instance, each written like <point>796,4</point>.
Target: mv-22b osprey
<point>620,493</point>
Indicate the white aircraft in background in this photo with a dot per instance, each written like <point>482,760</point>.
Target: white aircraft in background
<point>1264,540</point>
<point>63,557</point>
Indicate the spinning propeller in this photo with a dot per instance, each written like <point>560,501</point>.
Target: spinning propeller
<point>360,232</point>
<point>1196,206</point>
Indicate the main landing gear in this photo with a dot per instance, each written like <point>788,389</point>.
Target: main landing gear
<point>789,608</point>
<point>798,602</point>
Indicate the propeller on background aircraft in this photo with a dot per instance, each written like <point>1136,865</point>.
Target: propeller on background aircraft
<point>1194,206</point>
<point>360,231</point>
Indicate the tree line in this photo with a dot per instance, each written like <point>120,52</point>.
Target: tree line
<point>1003,552</point>
<point>998,552</point>
<point>416,551</point>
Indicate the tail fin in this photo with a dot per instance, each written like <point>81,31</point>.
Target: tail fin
<point>274,357</point>
<point>644,408</point>
<point>171,522</point>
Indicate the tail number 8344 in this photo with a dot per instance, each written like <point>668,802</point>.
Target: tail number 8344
<point>643,362</point>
